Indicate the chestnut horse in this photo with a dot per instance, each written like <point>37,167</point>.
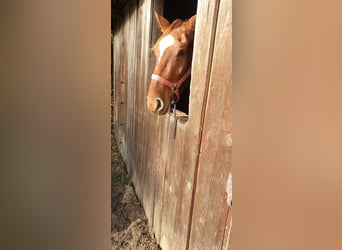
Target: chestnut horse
<point>173,52</point>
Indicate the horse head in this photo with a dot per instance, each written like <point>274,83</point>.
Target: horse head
<point>173,51</point>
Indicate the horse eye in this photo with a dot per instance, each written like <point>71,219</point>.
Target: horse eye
<point>181,52</point>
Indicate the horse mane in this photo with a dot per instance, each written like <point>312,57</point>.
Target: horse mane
<point>175,24</point>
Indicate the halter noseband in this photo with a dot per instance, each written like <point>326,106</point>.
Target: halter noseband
<point>173,86</point>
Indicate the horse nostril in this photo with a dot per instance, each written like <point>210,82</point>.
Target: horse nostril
<point>160,105</point>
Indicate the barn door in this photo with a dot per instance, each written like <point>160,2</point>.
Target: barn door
<point>211,218</point>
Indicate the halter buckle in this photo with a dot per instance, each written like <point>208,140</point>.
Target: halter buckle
<point>174,87</point>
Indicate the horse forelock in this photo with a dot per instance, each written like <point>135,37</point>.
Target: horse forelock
<point>175,24</point>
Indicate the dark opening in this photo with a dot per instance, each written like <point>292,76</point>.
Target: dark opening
<point>182,9</point>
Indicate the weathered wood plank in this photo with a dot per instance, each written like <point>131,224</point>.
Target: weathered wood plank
<point>174,204</point>
<point>164,171</point>
<point>141,128</point>
<point>137,88</point>
<point>162,152</point>
<point>116,63</point>
<point>180,174</point>
<point>121,97</point>
<point>142,139</point>
<point>131,85</point>
<point>210,205</point>
<point>116,81</point>
<point>149,123</point>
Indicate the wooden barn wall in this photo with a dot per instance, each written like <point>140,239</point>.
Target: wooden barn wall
<point>180,182</point>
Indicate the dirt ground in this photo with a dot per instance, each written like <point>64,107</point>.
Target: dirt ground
<point>130,229</point>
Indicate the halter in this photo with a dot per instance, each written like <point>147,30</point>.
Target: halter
<point>173,86</point>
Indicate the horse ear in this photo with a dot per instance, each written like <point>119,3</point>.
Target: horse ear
<point>162,22</point>
<point>191,23</point>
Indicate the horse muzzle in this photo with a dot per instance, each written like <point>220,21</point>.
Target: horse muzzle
<point>157,105</point>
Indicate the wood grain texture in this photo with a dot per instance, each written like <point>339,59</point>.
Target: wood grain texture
<point>178,181</point>
<point>210,205</point>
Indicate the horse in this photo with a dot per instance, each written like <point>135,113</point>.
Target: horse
<point>173,52</point>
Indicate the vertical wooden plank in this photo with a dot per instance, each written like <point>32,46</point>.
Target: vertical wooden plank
<point>121,87</point>
<point>125,86</point>
<point>131,69</point>
<point>201,63</point>
<point>175,206</point>
<point>141,119</point>
<point>116,80</point>
<point>118,54</point>
<point>137,165</point>
<point>152,123</point>
<point>209,220</point>
<point>183,153</point>
<point>165,185</point>
<point>138,89</point>
<point>132,105</point>
<point>162,152</point>
<point>147,126</point>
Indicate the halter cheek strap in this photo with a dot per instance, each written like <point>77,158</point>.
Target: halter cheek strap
<point>173,86</point>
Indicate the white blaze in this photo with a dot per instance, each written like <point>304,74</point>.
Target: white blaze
<point>164,44</point>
